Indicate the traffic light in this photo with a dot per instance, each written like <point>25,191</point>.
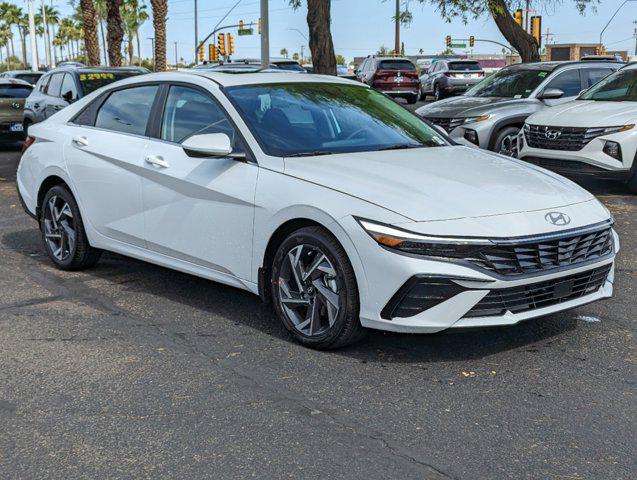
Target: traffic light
<point>240,25</point>
<point>230,44</point>
<point>213,54</point>
<point>221,42</point>
<point>536,29</point>
<point>201,53</point>
<point>448,41</point>
<point>518,16</point>
<point>596,50</point>
<point>472,41</point>
<point>259,25</point>
<point>603,50</point>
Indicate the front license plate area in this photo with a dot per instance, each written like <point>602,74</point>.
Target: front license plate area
<point>563,289</point>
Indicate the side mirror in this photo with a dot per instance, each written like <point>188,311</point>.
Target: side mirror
<point>68,96</point>
<point>208,145</point>
<point>551,94</point>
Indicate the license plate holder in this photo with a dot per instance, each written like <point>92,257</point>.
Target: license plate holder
<point>563,289</point>
<point>16,127</point>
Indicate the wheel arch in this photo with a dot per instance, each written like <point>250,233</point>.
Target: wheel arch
<point>46,184</point>
<point>516,121</point>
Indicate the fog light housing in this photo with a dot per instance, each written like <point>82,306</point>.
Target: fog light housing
<point>613,149</point>
<point>471,136</point>
<point>418,294</point>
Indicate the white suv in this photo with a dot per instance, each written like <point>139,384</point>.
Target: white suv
<point>596,134</point>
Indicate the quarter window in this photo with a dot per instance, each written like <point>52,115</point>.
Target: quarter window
<point>190,112</point>
<point>69,89</point>
<point>127,110</point>
<point>569,82</point>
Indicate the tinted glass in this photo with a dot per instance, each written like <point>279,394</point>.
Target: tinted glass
<point>69,89</point>
<point>297,119</point>
<point>291,66</point>
<point>91,81</point>
<point>55,84</point>
<point>465,67</point>
<point>45,84</point>
<point>569,82</point>
<point>190,112</point>
<point>509,83</point>
<point>396,65</point>
<point>594,75</point>
<point>29,77</point>
<point>14,91</point>
<point>127,110</point>
<point>621,86</point>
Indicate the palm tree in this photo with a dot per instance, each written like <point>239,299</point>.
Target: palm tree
<point>133,16</point>
<point>284,52</point>
<point>65,35</point>
<point>52,19</point>
<point>89,26</point>
<point>101,8</point>
<point>9,14</point>
<point>23,25</point>
<point>160,11</point>
<point>115,33</point>
<point>5,35</point>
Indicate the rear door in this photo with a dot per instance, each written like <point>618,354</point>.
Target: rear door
<point>54,101</point>
<point>105,159</point>
<point>569,81</point>
<point>198,210</point>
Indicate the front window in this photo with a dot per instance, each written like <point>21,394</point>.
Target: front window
<point>297,119</point>
<point>621,86</point>
<point>91,81</point>
<point>509,83</point>
<point>396,65</point>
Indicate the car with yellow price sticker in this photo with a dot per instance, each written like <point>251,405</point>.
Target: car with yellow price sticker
<point>61,87</point>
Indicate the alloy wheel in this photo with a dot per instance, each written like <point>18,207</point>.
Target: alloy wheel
<point>59,228</point>
<point>509,146</point>
<point>309,290</point>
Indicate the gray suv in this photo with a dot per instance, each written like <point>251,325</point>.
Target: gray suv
<point>60,87</point>
<point>491,114</point>
<point>450,77</point>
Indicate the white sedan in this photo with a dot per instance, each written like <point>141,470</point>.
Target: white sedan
<point>319,194</point>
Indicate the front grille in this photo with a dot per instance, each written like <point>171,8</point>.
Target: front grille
<point>540,295</point>
<point>569,139</point>
<point>448,124</point>
<point>545,254</point>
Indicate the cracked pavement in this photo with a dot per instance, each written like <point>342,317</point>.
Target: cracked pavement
<point>130,370</point>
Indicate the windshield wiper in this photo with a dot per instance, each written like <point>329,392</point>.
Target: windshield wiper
<point>311,154</point>
<point>400,146</point>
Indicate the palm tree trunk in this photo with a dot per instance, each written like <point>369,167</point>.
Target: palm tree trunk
<point>160,11</point>
<point>321,45</point>
<point>23,41</point>
<point>104,45</point>
<point>12,47</point>
<point>130,47</point>
<point>91,40</point>
<point>115,33</point>
<point>139,49</point>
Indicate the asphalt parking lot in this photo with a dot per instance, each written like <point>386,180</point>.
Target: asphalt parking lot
<point>130,370</point>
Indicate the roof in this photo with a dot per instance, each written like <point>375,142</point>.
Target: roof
<point>99,69</point>
<point>22,72</point>
<point>550,66</point>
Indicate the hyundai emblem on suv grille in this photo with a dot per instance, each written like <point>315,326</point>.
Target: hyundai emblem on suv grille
<point>557,218</point>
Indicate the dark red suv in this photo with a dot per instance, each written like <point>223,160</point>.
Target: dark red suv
<point>395,76</point>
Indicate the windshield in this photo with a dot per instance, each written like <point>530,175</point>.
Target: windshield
<point>465,66</point>
<point>296,119</point>
<point>91,81</point>
<point>396,65</point>
<point>621,86</point>
<point>509,83</point>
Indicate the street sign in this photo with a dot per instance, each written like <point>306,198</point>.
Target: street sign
<point>458,45</point>
<point>246,31</point>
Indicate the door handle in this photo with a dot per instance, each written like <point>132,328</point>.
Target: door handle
<point>80,141</point>
<point>58,107</point>
<point>157,161</point>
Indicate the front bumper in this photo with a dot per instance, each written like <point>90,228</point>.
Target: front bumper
<point>387,272</point>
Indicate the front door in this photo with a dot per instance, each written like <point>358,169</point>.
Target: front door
<point>198,210</point>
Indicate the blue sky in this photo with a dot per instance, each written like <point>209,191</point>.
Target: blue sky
<point>359,27</point>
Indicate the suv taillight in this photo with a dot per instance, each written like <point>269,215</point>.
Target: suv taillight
<point>27,143</point>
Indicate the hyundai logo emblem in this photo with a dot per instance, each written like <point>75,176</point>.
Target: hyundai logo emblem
<point>552,134</point>
<point>16,105</point>
<point>557,218</point>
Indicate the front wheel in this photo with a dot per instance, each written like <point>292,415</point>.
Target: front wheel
<point>63,232</point>
<point>314,290</point>
<point>438,95</point>
<point>412,99</point>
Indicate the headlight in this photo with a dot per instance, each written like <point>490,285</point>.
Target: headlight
<point>417,244</point>
<point>476,119</point>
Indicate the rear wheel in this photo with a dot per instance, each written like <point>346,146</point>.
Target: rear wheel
<point>438,95</point>
<point>506,142</point>
<point>412,99</point>
<point>314,290</point>
<point>63,232</point>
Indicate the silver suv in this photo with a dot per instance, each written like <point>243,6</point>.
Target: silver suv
<point>491,114</point>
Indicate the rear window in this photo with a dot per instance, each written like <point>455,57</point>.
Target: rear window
<point>91,81</point>
<point>465,66</point>
<point>29,77</point>
<point>292,66</point>
<point>14,91</point>
<point>396,65</point>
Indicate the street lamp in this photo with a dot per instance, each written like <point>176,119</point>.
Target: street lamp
<point>611,19</point>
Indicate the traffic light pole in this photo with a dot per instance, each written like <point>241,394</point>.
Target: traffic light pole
<point>487,41</point>
<point>218,29</point>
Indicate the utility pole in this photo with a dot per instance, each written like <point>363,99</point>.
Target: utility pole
<point>302,53</point>
<point>635,34</point>
<point>176,57</point>
<point>196,36</point>
<point>265,35</point>
<point>548,36</point>
<point>397,35</point>
<point>32,40</point>
<point>526,21</point>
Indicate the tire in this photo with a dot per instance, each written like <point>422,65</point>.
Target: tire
<point>412,99</point>
<point>59,217</point>
<point>632,183</point>
<point>505,135</point>
<point>438,94</point>
<point>321,311</point>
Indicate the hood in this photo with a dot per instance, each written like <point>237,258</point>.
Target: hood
<point>439,183</point>
<point>587,113</point>
<point>464,106</point>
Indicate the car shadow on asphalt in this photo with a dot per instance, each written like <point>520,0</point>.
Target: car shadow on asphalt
<point>220,301</point>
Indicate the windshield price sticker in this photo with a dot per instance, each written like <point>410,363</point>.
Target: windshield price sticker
<point>96,76</point>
